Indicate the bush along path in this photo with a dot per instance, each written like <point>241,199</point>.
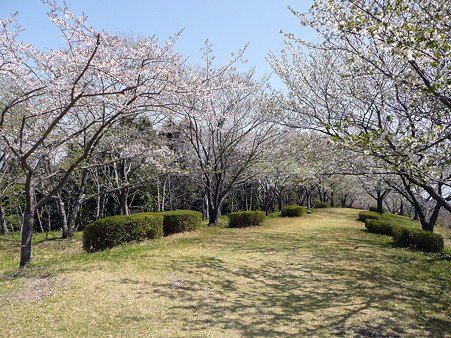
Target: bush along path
<point>321,274</point>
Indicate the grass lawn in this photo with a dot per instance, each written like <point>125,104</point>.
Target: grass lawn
<point>319,275</point>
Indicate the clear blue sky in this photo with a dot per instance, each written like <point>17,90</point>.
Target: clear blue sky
<point>228,25</point>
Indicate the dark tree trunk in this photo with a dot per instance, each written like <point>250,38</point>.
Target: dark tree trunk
<point>78,200</point>
<point>401,209</point>
<point>433,219</point>
<point>214,200</point>
<point>213,212</point>
<point>3,224</point>
<point>280,202</point>
<point>28,222</point>
<point>380,205</point>
<point>415,215</point>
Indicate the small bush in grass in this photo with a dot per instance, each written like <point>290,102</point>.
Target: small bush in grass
<point>111,231</point>
<point>243,219</point>
<point>418,239</point>
<point>321,205</point>
<point>374,209</point>
<point>364,215</point>
<point>292,211</point>
<point>181,220</point>
<point>378,226</point>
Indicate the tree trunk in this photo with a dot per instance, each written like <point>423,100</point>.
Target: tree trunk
<point>78,200</point>
<point>280,202</point>
<point>433,219</point>
<point>3,224</point>
<point>63,215</point>
<point>28,222</point>
<point>214,206</point>
<point>123,199</point>
<point>401,209</point>
<point>213,211</point>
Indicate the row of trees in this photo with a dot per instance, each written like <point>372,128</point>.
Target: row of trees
<point>92,111</point>
<point>110,125</point>
<point>378,83</point>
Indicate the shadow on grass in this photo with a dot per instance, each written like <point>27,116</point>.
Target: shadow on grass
<point>298,299</point>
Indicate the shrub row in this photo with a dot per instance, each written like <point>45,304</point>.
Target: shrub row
<point>378,226</point>
<point>418,239</point>
<point>407,236</point>
<point>109,232</point>
<point>181,220</point>
<point>293,211</point>
<point>243,219</point>
<point>364,215</point>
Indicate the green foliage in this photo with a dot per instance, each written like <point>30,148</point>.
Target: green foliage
<point>111,231</point>
<point>322,205</point>
<point>364,215</point>
<point>418,239</point>
<point>293,211</point>
<point>181,220</point>
<point>153,222</point>
<point>243,219</point>
<point>374,209</point>
<point>379,226</point>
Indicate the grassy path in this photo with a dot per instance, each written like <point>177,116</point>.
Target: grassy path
<point>319,275</point>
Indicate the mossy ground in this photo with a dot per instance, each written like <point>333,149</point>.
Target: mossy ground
<point>320,274</point>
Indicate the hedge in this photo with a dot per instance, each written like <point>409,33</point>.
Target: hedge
<point>364,215</point>
<point>180,221</point>
<point>418,239</point>
<point>292,211</point>
<point>154,223</point>
<point>243,219</point>
<point>321,205</point>
<point>378,226</point>
<point>111,231</point>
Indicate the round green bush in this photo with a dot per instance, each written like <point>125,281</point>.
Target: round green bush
<point>181,220</point>
<point>111,231</point>
<point>243,219</point>
<point>418,239</point>
<point>378,226</point>
<point>293,211</point>
<point>364,215</point>
<point>321,205</point>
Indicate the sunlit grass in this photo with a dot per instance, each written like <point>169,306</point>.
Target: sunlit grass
<point>321,275</point>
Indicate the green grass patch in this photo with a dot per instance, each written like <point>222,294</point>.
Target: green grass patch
<point>317,275</point>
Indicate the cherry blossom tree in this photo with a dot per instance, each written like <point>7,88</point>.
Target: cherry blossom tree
<point>378,82</point>
<point>54,96</point>
<point>224,126</point>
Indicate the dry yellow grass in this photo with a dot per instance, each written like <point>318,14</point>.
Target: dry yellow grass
<point>319,275</point>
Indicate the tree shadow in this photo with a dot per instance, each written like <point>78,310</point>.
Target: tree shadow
<point>298,299</point>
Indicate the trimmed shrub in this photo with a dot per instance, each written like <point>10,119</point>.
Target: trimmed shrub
<point>364,215</point>
<point>292,211</point>
<point>153,221</point>
<point>111,231</point>
<point>418,239</point>
<point>378,226</point>
<point>374,209</point>
<point>181,220</point>
<point>243,219</point>
<point>321,205</point>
